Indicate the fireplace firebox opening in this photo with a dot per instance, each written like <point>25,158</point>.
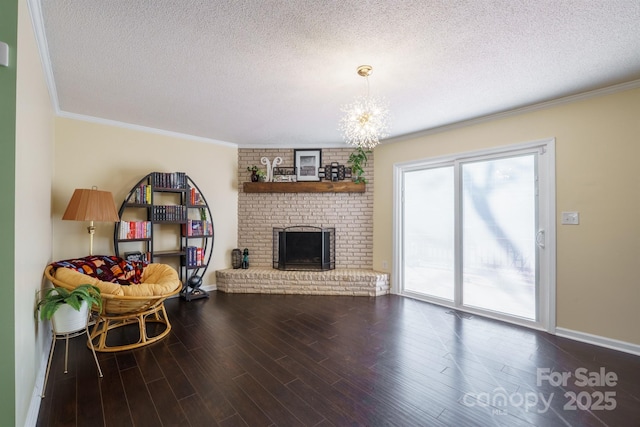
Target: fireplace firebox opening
<point>304,248</point>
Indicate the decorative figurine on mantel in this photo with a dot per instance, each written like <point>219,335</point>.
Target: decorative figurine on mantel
<point>245,258</point>
<point>270,166</point>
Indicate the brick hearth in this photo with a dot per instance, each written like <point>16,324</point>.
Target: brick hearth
<point>354,282</point>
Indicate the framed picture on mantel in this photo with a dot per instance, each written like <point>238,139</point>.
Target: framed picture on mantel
<point>307,163</point>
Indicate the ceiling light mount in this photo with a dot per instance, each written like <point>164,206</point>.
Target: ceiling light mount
<point>365,70</point>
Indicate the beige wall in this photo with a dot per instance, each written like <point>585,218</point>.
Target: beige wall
<point>34,150</point>
<point>114,159</point>
<point>597,154</point>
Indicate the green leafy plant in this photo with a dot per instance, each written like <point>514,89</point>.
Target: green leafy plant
<point>55,297</point>
<point>358,161</point>
<point>257,173</point>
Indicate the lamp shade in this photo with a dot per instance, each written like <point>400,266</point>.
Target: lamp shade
<point>91,205</point>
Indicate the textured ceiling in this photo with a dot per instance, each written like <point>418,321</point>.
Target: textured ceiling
<point>275,72</point>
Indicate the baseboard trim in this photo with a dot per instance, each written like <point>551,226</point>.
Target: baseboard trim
<point>36,397</point>
<point>600,341</point>
<point>210,288</point>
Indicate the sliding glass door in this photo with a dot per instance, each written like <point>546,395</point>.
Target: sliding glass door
<point>472,232</point>
<point>498,215</point>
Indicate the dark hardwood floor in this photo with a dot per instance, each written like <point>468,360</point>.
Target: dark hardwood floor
<point>283,360</point>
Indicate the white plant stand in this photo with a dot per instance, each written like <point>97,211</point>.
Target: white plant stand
<point>69,323</point>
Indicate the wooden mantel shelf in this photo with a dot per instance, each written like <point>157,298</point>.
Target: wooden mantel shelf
<point>304,187</point>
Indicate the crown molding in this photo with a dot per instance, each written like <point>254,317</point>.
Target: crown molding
<point>634,84</point>
<point>115,123</point>
<point>621,87</point>
<point>37,22</point>
<point>294,145</point>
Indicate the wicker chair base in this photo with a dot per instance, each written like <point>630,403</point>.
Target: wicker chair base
<point>120,311</point>
<point>108,322</point>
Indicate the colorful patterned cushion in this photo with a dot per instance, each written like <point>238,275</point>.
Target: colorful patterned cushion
<point>106,268</point>
<point>157,280</point>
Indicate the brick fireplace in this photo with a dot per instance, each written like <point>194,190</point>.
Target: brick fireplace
<point>351,214</point>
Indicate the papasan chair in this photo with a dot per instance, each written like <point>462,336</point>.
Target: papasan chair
<point>133,292</point>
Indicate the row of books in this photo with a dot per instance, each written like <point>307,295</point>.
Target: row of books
<point>197,227</point>
<point>141,195</point>
<point>176,180</point>
<point>195,256</point>
<point>135,229</point>
<point>169,213</point>
<point>195,198</point>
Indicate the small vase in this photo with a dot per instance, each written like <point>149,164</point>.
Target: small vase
<point>254,177</point>
<point>236,258</point>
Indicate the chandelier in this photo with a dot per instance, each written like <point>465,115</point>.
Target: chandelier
<point>366,119</point>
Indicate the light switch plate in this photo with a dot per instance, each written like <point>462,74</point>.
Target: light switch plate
<point>4,54</point>
<point>570,218</point>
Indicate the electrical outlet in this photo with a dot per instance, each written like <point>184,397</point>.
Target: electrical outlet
<point>570,218</point>
<point>385,265</point>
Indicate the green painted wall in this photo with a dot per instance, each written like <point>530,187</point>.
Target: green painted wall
<point>9,35</point>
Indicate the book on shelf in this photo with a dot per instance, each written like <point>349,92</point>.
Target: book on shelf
<point>195,256</point>
<point>169,213</point>
<point>173,180</point>
<point>195,198</point>
<point>197,227</point>
<point>134,256</point>
<point>141,195</point>
<point>135,230</point>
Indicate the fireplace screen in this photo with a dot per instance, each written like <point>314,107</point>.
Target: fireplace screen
<point>304,248</point>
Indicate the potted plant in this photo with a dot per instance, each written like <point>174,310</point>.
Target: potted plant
<point>261,175</point>
<point>69,310</point>
<point>257,174</point>
<point>254,173</point>
<point>358,161</point>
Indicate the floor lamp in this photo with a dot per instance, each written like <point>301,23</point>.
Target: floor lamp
<point>91,205</point>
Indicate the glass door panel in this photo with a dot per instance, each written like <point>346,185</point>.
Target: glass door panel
<point>429,243</point>
<point>498,235</point>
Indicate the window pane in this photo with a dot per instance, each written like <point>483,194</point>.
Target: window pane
<point>499,225</point>
<point>429,232</point>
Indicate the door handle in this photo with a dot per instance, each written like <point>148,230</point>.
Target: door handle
<point>540,239</point>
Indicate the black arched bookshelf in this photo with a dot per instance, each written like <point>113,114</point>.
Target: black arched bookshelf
<point>166,218</point>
